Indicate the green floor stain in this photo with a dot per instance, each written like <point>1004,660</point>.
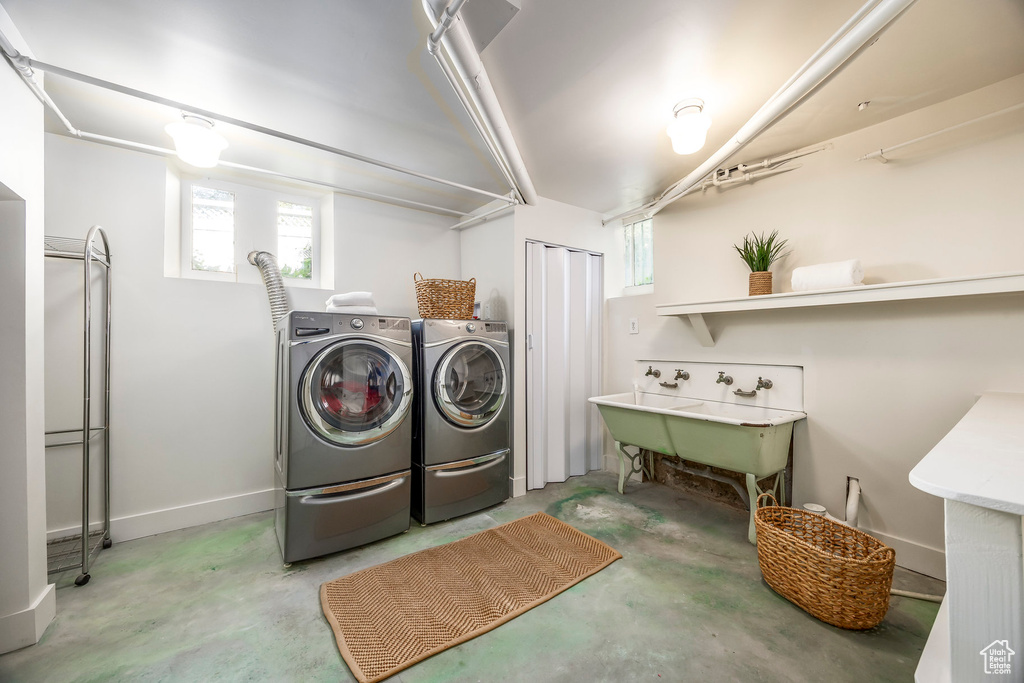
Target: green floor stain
<point>686,602</point>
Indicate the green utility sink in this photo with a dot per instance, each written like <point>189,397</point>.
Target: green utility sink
<point>748,439</point>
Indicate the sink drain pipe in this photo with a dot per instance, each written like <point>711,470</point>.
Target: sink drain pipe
<point>708,474</point>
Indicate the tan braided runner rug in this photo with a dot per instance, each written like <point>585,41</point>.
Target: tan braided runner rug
<point>387,618</point>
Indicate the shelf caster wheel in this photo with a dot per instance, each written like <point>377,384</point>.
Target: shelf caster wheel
<point>107,543</point>
<point>82,579</point>
<point>287,565</point>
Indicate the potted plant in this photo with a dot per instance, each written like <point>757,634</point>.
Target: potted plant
<point>759,253</point>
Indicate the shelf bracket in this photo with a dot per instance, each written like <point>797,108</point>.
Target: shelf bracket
<point>700,329</point>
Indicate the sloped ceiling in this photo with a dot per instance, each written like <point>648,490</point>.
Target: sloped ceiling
<point>587,85</point>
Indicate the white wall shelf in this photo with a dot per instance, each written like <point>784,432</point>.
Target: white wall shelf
<point>999,283</point>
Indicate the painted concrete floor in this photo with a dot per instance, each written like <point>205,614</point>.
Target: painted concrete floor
<point>686,602</point>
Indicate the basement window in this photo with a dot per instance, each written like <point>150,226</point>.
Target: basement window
<point>213,230</point>
<point>222,222</point>
<point>639,252</point>
<point>295,240</point>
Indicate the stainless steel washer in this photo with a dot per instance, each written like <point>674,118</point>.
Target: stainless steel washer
<point>461,438</point>
<point>343,437</point>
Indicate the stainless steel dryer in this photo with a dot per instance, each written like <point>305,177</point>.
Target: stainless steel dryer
<point>344,393</point>
<point>461,456</point>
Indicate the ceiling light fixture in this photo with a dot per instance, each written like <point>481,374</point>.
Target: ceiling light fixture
<point>689,130</point>
<point>195,140</point>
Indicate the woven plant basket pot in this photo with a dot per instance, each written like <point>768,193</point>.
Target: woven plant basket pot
<point>444,298</point>
<point>761,282</point>
<point>837,573</point>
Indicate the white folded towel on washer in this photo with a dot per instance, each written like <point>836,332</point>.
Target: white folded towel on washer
<point>828,276</point>
<point>352,299</point>
<point>354,310</point>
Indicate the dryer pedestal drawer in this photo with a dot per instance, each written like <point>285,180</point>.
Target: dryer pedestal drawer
<point>441,492</point>
<point>314,522</point>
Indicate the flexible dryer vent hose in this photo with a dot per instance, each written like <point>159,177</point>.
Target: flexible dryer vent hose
<point>267,263</point>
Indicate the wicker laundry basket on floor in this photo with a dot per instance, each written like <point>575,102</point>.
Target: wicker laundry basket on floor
<point>439,298</point>
<point>838,574</point>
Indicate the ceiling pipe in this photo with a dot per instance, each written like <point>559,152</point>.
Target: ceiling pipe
<point>721,174</point>
<point>142,95</point>
<point>488,139</point>
<point>859,33</point>
<point>486,112</point>
<point>481,217</point>
<point>18,62</point>
<point>880,153</point>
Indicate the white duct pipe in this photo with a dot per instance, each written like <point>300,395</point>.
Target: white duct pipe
<point>873,19</point>
<point>488,138</point>
<point>459,47</point>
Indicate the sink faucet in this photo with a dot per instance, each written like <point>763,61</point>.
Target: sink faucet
<point>652,371</point>
<point>723,379</point>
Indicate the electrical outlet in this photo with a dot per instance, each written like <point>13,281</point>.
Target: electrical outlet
<point>634,326</point>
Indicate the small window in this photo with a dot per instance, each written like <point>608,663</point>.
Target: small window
<point>639,253</point>
<point>295,240</point>
<point>222,222</point>
<point>213,230</point>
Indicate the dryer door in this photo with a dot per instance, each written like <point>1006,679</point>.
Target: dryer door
<point>355,392</point>
<point>470,384</point>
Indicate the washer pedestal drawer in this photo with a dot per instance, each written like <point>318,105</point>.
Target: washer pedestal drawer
<point>441,492</point>
<point>319,521</point>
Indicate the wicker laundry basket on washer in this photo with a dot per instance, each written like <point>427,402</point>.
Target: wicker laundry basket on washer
<point>838,574</point>
<point>439,298</point>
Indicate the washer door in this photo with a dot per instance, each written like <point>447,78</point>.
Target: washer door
<point>470,384</point>
<point>355,392</point>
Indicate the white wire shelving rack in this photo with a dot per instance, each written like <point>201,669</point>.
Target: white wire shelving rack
<point>77,551</point>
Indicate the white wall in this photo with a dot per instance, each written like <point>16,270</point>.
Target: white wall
<point>27,603</point>
<point>193,360</point>
<point>883,382</point>
<point>487,255</point>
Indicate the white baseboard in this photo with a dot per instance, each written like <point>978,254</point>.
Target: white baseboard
<point>518,486</point>
<point>181,517</point>
<point>26,627</point>
<point>914,556</point>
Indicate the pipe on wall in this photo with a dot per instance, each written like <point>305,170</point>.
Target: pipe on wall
<point>844,46</point>
<point>485,111</point>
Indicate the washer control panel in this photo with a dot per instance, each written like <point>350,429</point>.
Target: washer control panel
<point>357,323</point>
<point>470,327</point>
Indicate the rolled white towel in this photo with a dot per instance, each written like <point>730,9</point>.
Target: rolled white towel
<point>828,276</point>
<point>354,310</point>
<point>351,299</point>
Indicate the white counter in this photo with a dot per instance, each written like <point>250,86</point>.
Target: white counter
<point>978,468</point>
<point>981,460</point>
